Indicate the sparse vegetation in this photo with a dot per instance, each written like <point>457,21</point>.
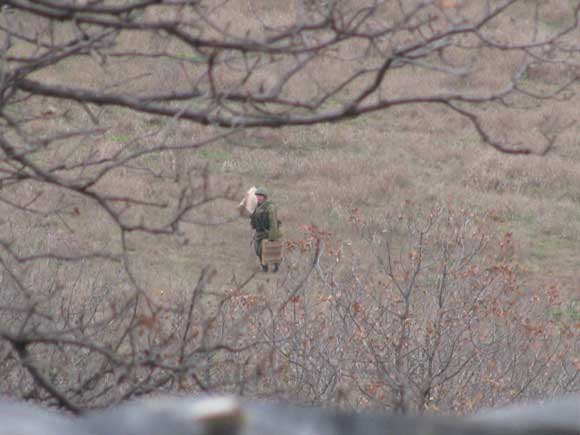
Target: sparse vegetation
<point>424,156</point>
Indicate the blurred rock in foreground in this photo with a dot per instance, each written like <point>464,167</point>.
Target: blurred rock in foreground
<point>225,415</point>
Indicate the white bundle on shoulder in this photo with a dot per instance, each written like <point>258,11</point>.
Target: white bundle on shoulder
<point>249,203</point>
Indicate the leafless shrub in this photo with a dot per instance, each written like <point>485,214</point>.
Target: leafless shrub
<point>441,322</point>
<point>93,173</point>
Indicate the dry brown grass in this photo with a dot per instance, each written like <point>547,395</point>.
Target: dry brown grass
<point>318,174</point>
<point>351,183</point>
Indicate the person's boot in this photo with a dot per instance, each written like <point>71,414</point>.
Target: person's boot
<point>265,268</point>
<point>275,268</point>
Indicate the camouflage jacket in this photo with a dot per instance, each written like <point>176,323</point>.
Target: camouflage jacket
<point>265,221</point>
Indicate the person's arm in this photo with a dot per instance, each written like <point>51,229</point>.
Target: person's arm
<point>273,223</point>
<point>253,220</point>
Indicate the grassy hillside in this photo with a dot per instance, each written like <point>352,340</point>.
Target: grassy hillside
<point>318,174</point>
<point>354,185</point>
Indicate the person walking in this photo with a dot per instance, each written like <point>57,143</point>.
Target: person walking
<point>265,222</point>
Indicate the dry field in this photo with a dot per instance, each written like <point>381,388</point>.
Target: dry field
<point>346,182</point>
<point>319,174</point>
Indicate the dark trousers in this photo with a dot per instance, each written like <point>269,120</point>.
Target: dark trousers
<point>258,248</point>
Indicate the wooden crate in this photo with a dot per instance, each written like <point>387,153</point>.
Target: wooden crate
<point>272,252</point>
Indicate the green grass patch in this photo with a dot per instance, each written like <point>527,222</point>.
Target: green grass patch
<point>550,247</point>
<point>518,220</point>
<point>120,138</point>
<point>466,140</point>
<point>215,154</point>
<point>152,160</point>
<point>570,192</point>
<point>570,313</point>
